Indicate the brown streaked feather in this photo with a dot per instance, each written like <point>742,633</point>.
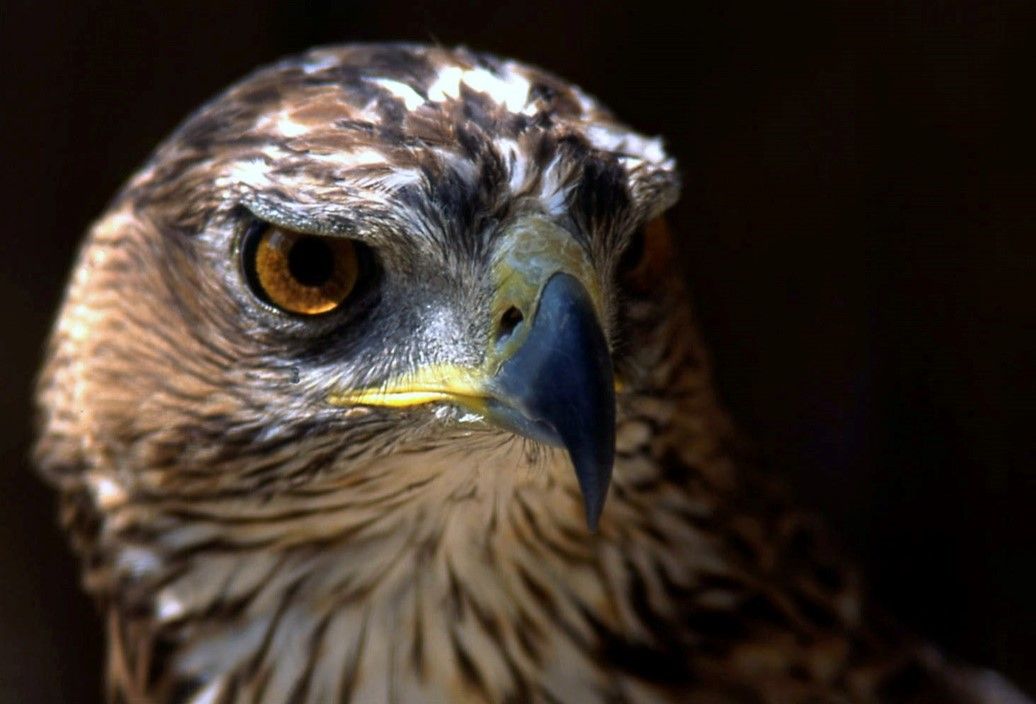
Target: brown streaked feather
<point>250,542</point>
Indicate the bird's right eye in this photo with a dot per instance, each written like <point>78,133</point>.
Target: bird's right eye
<point>297,272</point>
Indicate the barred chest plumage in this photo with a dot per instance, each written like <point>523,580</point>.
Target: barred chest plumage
<point>465,573</point>
<point>471,581</point>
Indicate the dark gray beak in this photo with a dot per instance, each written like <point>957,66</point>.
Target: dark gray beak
<point>558,387</point>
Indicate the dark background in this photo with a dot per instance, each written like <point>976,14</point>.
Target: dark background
<point>857,228</point>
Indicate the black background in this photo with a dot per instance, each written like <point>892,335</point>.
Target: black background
<point>857,227</point>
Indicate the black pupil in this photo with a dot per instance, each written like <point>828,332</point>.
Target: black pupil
<point>311,262</point>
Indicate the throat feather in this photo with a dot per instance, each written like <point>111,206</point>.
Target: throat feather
<point>455,579</point>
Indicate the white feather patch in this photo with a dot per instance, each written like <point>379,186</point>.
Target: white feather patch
<point>511,91</point>
<point>210,693</point>
<point>446,85</point>
<point>553,194</point>
<point>408,95</point>
<point>612,138</point>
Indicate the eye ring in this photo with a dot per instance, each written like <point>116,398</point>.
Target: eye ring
<point>300,273</point>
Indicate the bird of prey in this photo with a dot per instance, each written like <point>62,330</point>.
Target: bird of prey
<point>377,383</point>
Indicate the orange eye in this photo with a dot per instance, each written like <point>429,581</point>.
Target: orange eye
<point>301,273</point>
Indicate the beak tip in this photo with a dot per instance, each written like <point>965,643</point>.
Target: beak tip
<point>594,488</point>
<point>593,516</point>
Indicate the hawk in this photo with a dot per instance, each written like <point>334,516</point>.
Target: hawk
<point>377,383</point>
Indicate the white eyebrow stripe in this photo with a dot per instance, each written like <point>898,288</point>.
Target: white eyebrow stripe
<point>253,173</point>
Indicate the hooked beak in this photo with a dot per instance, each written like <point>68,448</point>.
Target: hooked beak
<point>548,373</point>
<point>559,388</point>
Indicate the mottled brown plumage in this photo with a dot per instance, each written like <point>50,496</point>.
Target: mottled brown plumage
<point>250,540</point>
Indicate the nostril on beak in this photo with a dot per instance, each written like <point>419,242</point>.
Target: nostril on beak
<point>509,322</point>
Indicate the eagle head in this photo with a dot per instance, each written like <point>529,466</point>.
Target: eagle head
<point>362,291</point>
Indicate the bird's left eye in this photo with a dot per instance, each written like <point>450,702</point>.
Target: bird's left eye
<point>297,272</point>
<point>647,256</point>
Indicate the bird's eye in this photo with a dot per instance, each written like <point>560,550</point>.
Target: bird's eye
<point>300,273</point>
<point>647,254</point>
